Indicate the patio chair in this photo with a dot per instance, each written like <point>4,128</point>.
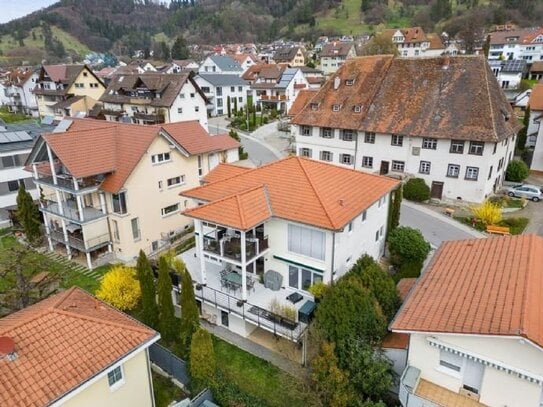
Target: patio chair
<point>223,273</point>
<point>251,284</point>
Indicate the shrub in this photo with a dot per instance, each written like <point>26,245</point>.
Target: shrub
<point>489,213</point>
<point>286,311</point>
<point>517,171</point>
<point>516,225</point>
<point>317,290</point>
<point>408,269</point>
<point>416,190</point>
<point>120,288</point>
<point>407,245</point>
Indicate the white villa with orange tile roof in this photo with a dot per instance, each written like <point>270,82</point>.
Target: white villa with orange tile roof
<point>475,324</point>
<point>111,189</point>
<point>74,350</point>
<point>269,233</point>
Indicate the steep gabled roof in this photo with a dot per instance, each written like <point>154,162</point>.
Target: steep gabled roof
<point>298,189</point>
<point>441,97</point>
<point>490,286</point>
<point>226,63</point>
<point>285,54</point>
<point>223,171</point>
<point>411,35</point>
<point>536,97</point>
<point>301,101</point>
<point>337,49</point>
<point>62,342</point>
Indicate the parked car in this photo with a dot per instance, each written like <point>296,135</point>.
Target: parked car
<point>526,191</point>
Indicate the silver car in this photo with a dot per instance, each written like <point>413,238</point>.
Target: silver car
<point>526,191</point>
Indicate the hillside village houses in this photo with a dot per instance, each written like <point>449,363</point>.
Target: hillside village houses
<point>414,42</point>
<point>154,98</point>
<point>250,220</point>
<point>18,90</point>
<point>291,56</point>
<point>474,325</point>
<point>510,73</point>
<point>450,124</point>
<point>66,90</point>
<point>334,55</point>
<point>72,349</point>
<point>219,88</point>
<point>97,178</point>
<point>526,44</point>
<point>220,64</point>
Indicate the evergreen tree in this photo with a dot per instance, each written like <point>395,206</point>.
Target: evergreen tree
<point>523,133</point>
<point>164,50</point>
<point>235,106</point>
<point>394,210</point>
<point>180,49</point>
<point>27,214</point>
<point>229,106</point>
<point>202,361</point>
<point>167,321</point>
<point>149,308</point>
<point>190,321</point>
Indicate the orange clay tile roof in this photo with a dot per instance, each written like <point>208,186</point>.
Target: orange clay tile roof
<point>92,147</point>
<point>61,342</point>
<point>404,286</point>
<point>304,96</point>
<point>435,41</point>
<point>487,286</point>
<point>223,171</point>
<point>412,34</point>
<point>537,66</point>
<point>536,97</point>
<point>395,340</point>
<point>298,189</point>
<point>445,97</point>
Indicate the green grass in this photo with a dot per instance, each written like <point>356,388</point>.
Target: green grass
<point>165,391</point>
<point>508,202</point>
<point>516,225</point>
<point>258,378</point>
<point>11,117</point>
<point>345,18</point>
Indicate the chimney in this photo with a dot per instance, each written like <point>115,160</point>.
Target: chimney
<point>337,81</point>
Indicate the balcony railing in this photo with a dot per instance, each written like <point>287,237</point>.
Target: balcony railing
<point>230,247</point>
<point>258,316</point>
<point>67,183</point>
<point>273,97</point>
<point>70,210</point>
<point>83,245</point>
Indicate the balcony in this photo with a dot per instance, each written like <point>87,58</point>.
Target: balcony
<point>66,183</point>
<point>70,210</point>
<point>273,98</point>
<point>77,241</point>
<point>230,246</point>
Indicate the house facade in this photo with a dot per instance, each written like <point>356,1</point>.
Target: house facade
<point>248,223</point>
<point>536,113</point>
<point>334,55</point>
<point>526,44</point>
<point>476,347</point>
<point>154,98</point>
<point>65,90</point>
<point>291,56</point>
<point>18,89</point>
<point>459,141</point>
<point>219,88</point>
<point>509,73</point>
<point>97,177</point>
<point>73,350</point>
<point>411,42</point>
<point>220,64</point>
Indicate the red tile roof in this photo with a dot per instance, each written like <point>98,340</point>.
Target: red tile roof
<point>487,286</point>
<point>92,147</point>
<point>411,35</point>
<point>223,171</point>
<point>298,189</point>
<point>61,342</point>
<point>536,97</point>
<point>303,98</point>
<point>337,49</point>
<point>445,97</point>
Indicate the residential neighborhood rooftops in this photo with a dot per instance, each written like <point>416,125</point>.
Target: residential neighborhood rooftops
<point>285,54</point>
<point>62,342</point>
<point>92,147</point>
<point>263,71</point>
<point>336,49</point>
<point>523,36</point>
<point>445,97</point>
<point>536,97</point>
<point>223,79</point>
<point>226,63</point>
<point>480,287</point>
<point>411,34</point>
<point>294,188</point>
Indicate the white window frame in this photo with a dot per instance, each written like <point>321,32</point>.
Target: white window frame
<point>347,135</point>
<point>429,143</point>
<point>346,159</point>
<point>396,140</point>
<point>161,158</point>
<point>472,173</point>
<point>305,130</point>
<point>369,137</point>
<point>456,174</point>
<point>457,147</point>
<point>425,167</point>
<point>476,148</point>
<point>136,236</point>
<point>165,214</point>
<point>365,160</point>
<point>119,381</point>
<point>327,132</point>
<point>397,166</point>
<point>327,156</point>
<point>180,180</point>
<point>306,152</point>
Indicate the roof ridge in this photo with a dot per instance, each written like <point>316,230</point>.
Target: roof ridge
<point>485,72</point>
<point>529,267</point>
<point>240,209</point>
<point>268,200</point>
<point>316,192</point>
<point>235,194</point>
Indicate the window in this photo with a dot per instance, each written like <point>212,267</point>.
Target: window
<point>160,158</point>
<point>160,185</point>
<point>357,108</point>
<point>93,85</point>
<point>398,166</point>
<point>314,106</point>
<point>327,132</point>
<point>172,182</point>
<point>364,216</point>
<point>119,203</point>
<point>377,236</point>
<point>476,147</point>
<point>347,135</point>
<point>305,130</point>
<point>240,99</point>
<point>307,242</point>
<point>396,140</point>
<point>367,162</point>
<point>490,172</point>
<point>200,169</point>
<point>453,170</point>
<point>10,161</point>
<point>301,278</point>
<point>115,377</point>
<point>457,147</point>
<point>349,82</point>
<point>336,107</point>
<point>13,186</point>
<point>182,95</point>
<point>429,143</point>
<point>350,227</point>
<point>85,73</point>
<point>495,148</point>
<point>169,209</point>
<point>205,89</point>
<point>369,137</point>
<point>450,360</point>
<point>381,231</point>
<point>179,110</point>
<point>219,103</point>
<point>232,89</point>
<point>424,167</point>
<point>472,173</point>
<point>381,201</point>
<point>116,235</point>
<point>327,156</point>
<point>135,229</point>
<point>196,108</point>
<point>192,95</point>
<point>240,88</point>
<point>346,159</point>
<point>306,152</point>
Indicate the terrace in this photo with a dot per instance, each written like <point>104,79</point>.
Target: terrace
<point>219,241</point>
<point>69,210</point>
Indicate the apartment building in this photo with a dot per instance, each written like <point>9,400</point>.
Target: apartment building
<point>443,119</point>
<point>220,64</point>
<point>18,91</point>
<point>334,55</point>
<point>219,88</point>
<point>110,189</point>
<point>526,44</point>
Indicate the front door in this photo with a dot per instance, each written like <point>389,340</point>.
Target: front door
<point>384,168</point>
<point>437,189</point>
<point>224,318</point>
<point>473,376</point>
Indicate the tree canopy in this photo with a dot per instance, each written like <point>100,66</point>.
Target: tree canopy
<point>149,308</point>
<point>202,361</point>
<point>167,321</point>
<point>27,214</point>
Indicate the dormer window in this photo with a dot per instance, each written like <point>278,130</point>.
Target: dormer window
<point>314,106</point>
<point>336,108</point>
<point>349,82</point>
<point>357,108</point>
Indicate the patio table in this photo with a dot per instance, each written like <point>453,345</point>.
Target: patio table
<point>233,278</point>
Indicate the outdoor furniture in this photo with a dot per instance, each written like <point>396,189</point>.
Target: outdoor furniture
<point>305,313</point>
<point>498,230</point>
<point>250,284</point>
<point>273,280</point>
<point>295,297</point>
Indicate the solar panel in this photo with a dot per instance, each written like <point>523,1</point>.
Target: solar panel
<point>62,126</point>
<point>514,65</point>
<point>14,136</point>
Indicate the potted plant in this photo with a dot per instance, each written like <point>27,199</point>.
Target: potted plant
<point>317,290</point>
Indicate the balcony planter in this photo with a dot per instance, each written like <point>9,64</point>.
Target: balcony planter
<point>240,303</point>
<point>198,287</point>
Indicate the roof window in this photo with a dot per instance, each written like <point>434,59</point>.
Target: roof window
<point>314,106</point>
<point>349,82</point>
<point>336,107</point>
<point>357,108</point>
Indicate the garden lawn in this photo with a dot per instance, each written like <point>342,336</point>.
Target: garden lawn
<point>165,391</point>
<point>259,378</point>
<point>516,225</point>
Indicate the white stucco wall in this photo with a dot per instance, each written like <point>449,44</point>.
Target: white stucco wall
<point>11,174</point>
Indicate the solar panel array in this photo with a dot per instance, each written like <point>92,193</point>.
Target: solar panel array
<point>516,65</point>
<point>14,137</point>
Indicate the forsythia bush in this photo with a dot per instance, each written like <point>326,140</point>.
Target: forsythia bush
<point>488,213</point>
<point>120,288</point>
